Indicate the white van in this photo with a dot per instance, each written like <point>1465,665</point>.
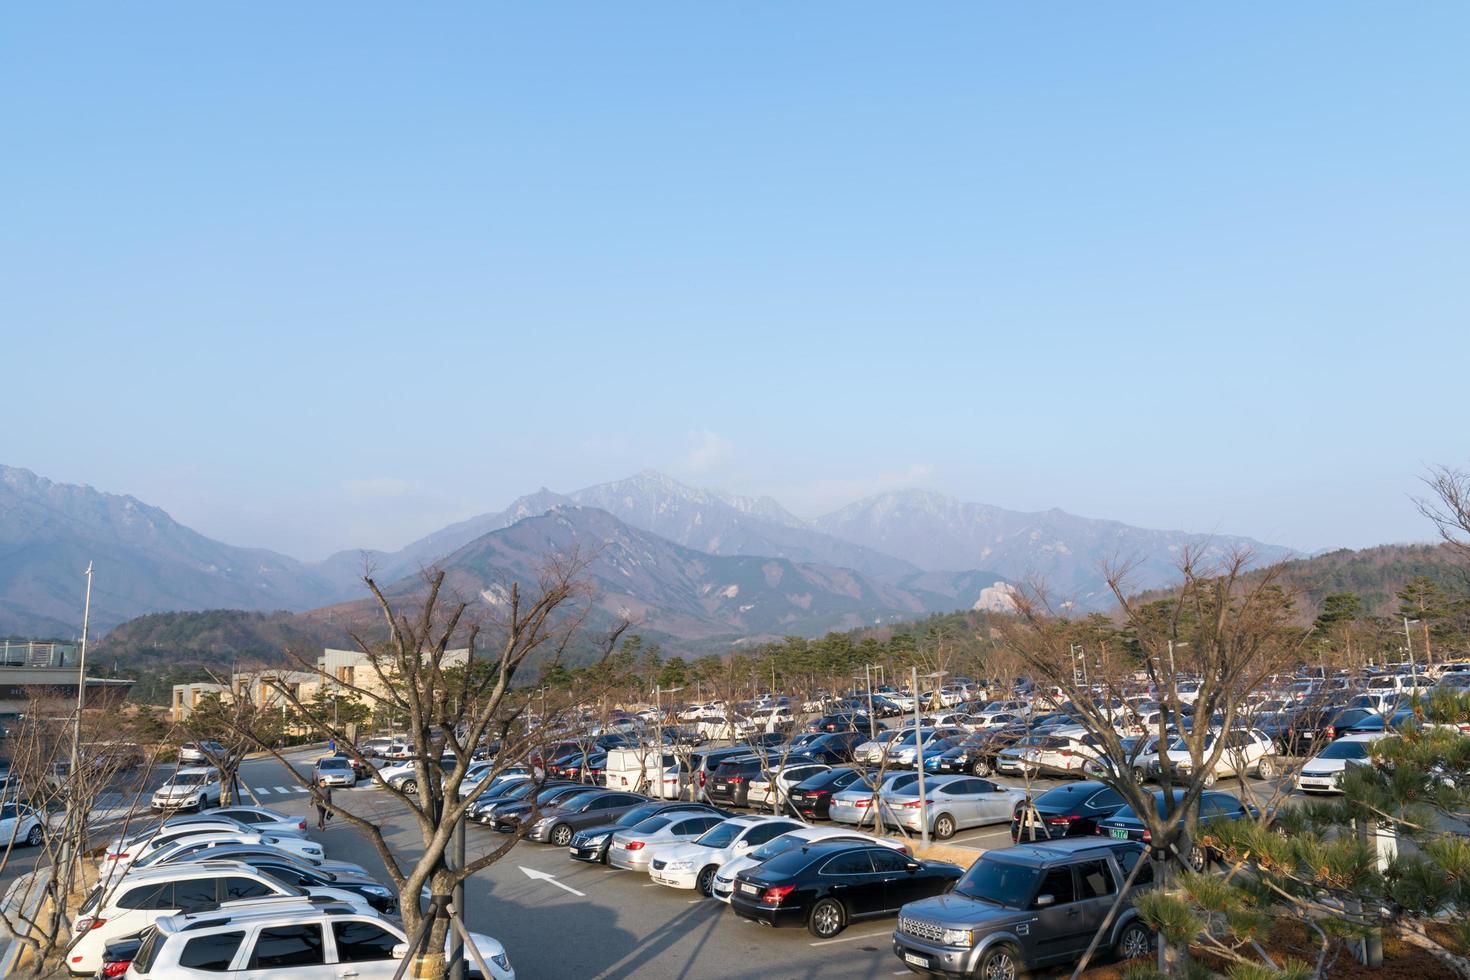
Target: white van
<point>643,770</point>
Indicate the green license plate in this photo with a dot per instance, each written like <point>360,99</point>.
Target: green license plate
<point>1120,833</point>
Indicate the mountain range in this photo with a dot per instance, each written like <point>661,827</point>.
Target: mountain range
<point>698,563</point>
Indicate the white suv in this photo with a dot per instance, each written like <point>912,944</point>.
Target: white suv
<point>129,906</point>
<point>1246,751</point>
<point>188,789</point>
<point>287,940</point>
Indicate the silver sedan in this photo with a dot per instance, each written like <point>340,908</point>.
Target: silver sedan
<point>633,849</point>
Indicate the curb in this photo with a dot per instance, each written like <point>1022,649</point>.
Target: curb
<point>13,946</point>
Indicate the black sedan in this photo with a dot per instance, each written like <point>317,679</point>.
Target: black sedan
<point>813,797</point>
<point>1125,824</point>
<point>834,748</point>
<point>841,723</point>
<point>509,817</point>
<point>559,823</point>
<point>590,843</point>
<point>825,886</point>
<point>1072,810</point>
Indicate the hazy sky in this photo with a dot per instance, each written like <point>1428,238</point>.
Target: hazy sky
<point>313,276</point>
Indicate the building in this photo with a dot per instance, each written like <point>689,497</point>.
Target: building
<point>32,671</point>
<point>187,696</point>
<point>260,687</point>
<point>352,671</point>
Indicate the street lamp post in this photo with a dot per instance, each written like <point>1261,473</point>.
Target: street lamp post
<point>919,753</point>
<point>658,722</point>
<point>1409,649</point>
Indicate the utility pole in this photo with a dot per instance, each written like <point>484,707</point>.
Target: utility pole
<point>74,817</point>
<point>658,743</point>
<point>1409,649</point>
<point>919,754</point>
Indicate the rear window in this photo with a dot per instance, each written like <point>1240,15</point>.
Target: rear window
<point>790,862</point>
<point>652,824</point>
<point>147,953</point>
<point>213,953</point>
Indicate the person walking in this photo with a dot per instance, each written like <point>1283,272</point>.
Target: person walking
<point>323,802</point>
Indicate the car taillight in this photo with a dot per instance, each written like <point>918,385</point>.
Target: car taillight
<point>701,778</point>
<point>918,803</point>
<point>736,779</point>
<point>1147,836</point>
<point>775,894</point>
<point>1331,731</point>
<point>116,969</point>
<point>862,803</point>
<point>301,825</point>
<point>117,857</point>
<point>634,845</point>
<point>1060,821</point>
<point>87,922</point>
<point>818,792</point>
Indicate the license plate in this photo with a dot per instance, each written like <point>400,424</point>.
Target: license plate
<point>574,851</point>
<point>749,889</point>
<point>1120,833</point>
<point>916,960</point>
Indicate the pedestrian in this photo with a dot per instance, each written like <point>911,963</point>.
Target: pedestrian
<point>323,801</point>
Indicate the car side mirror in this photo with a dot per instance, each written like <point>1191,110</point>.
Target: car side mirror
<point>400,951</point>
<point>912,866</point>
<point>1042,901</point>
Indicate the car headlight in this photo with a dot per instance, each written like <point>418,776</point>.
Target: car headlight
<point>597,841</point>
<point>377,890</point>
<point>544,822</point>
<point>956,937</point>
<point>679,866</point>
<point>502,961</point>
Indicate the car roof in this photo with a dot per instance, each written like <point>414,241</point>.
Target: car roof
<point>288,908</point>
<point>1044,853</point>
<point>1362,737</point>
<point>186,869</point>
<point>194,771</point>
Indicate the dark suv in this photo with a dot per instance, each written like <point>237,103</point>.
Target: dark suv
<point>1026,907</point>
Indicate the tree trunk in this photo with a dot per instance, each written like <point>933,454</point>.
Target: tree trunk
<point>1413,933</point>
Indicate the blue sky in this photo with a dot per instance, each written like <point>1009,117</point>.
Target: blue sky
<point>315,276</point>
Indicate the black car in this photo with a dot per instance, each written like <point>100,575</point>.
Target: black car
<point>956,757</point>
<point>850,722</point>
<point>1124,824</point>
<point>590,843</point>
<point>730,783</point>
<point>827,885</point>
<point>834,748</point>
<point>484,807</point>
<point>379,896</point>
<point>118,955</point>
<point>1072,810</point>
<point>982,757</point>
<point>764,740</point>
<point>812,798</point>
<point>509,817</point>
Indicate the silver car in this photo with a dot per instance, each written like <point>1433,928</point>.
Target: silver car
<point>633,849</point>
<point>855,804</point>
<point>257,819</point>
<point>954,802</point>
<point>333,770</point>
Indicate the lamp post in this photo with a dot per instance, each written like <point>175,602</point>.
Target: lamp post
<point>74,816</point>
<point>919,754</point>
<point>1409,649</point>
<point>658,723</point>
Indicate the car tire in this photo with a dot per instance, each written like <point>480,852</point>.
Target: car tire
<point>1000,962</point>
<point>1209,780</point>
<point>1198,858</point>
<point>944,826</point>
<point>34,838</point>
<point>561,835</point>
<point>705,882</point>
<point>981,767</point>
<point>827,918</point>
<point>1134,941</point>
<point>1265,769</point>
<point>1139,776</point>
<point>410,786</point>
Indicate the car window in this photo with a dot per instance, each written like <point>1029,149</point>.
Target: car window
<point>1058,884</point>
<point>148,897</point>
<point>288,874</point>
<point>1095,879</point>
<point>1105,798</point>
<point>766,831</point>
<point>196,893</point>
<point>213,953</point>
<point>851,863</point>
<point>237,888</point>
<point>286,946</point>
<point>1127,858</point>
<point>692,826</point>
<point>361,941</point>
<point>886,859</point>
<point>965,787</point>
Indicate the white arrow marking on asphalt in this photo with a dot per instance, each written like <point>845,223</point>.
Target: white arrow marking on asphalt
<point>535,875</point>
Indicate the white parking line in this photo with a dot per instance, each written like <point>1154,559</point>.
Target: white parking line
<point>282,790</point>
<point>848,939</point>
<point>262,792</point>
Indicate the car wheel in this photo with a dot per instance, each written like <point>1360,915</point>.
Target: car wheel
<point>1208,781</point>
<point>1134,941</point>
<point>1139,776</point>
<point>705,883</point>
<point>561,835</point>
<point>980,767</point>
<point>1266,769</point>
<point>1198,858</point>
<point>34,837</point>
<point>1000,963</point>
<point>827,918</point>
<point>410,786</point>
<point>944,826</point>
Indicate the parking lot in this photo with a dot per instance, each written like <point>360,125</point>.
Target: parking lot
<point>559,918</point>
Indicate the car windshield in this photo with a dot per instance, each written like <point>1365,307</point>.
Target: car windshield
<point>331,762</point>
<point>998,883</point>
<point>652,825</point>
<point>720,835</point>
<point>187,779</point>
<point>1345,750</point>
<point>637,815</point>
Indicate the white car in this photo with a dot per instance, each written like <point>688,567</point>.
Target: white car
<point>951,803</point>
<point>872,751</point>
<point>123,851</point>
<point>771,719</point>
<point>724,882</point>
<point>254,818</point>
<point>693,864</point>
<point>117,909</point>
<point>1246,750</point>
<point>188,789</point>
<point>769,789</point>
<point>285,939</point>
<point>1323,772</point>
<point>20,824</point>
<point>201,844</point>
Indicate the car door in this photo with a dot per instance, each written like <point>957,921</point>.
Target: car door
<point>10,825</point>
<point>849,877</point>
<point>1096,889</point>
<point>289,952</point>
<point>1057,932</point>
<point>364,949</point>
<point>900,885</point>
<point>993,804</point>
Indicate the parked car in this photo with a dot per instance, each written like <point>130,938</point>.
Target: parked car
<point>486,811</point>
<point>302,874</point>
<point>123,851</point>
<point>724,881</point>
<point>287,941</point>
<point>374,748</point>
<point>842,723</point>
<point>833,748</point>
<point>855,804</point>
<point>729,785</point>
<point>260,819</point>
<point>1323,772</point>
<point>145,895</point>
<point>591,843</point>
<point>951,803</point>
<point>812,797</point>
<point>1072,810</point>
<point>21,824</point>
<point>1246,750</point>
<point>634,849</point>
<point>1025,908</point>
<point>559,823</point>
<point>1125,824</point>
<point>826,886</point>
<point>871,750</point>
<point>511,817</point>
<point>250,852</point>
<point>188,789</point>
<point>768,791</point>
<point>693,864</point>
<point>196,753</point>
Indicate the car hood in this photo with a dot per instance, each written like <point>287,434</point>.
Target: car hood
<point>688,851</point>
